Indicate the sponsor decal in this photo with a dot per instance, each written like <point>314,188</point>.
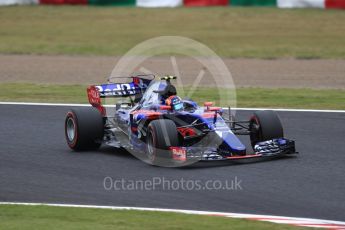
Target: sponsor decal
<point>178,153</point>
<point>93,96</point>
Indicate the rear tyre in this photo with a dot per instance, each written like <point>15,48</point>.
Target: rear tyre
<point>265,125</point>
<point>161,135</point>
<point>84,129</point>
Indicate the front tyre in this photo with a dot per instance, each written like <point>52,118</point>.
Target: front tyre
<point>84,129</point>
<point>265,125</point>
<point>161,135</point>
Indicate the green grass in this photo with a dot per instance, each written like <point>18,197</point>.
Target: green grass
<point>43,93</point>
<point>252,32</point>
<point>246,97</point>
<point>44,217</point>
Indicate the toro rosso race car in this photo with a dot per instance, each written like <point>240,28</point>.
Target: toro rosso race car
<point>151,121</point>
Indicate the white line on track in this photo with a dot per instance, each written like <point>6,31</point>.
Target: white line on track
<point>41,104</point>
<point>296,221</point>
<point>249,109</point>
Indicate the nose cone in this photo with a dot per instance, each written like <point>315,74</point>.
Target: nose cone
<point>231,142</point>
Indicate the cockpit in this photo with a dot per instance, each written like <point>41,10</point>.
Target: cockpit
<point>164,93</point>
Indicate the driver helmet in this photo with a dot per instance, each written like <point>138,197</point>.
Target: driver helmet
<point>175,102</point>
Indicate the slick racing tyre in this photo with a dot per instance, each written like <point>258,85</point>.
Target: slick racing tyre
<point>265,125</point>
<point>84,128</point>
<point>161,135</point>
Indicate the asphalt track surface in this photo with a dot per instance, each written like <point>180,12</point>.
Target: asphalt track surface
<point>37,166</point>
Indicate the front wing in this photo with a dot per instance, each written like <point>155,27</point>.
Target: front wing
<point>267,149</point>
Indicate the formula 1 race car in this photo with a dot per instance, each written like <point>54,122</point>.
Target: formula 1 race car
<point>149,120</point>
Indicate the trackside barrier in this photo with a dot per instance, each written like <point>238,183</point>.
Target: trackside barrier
<point>253,2</point>
<point>323,4</point>
<point>340,4</point>
<point>18,2</point>
<point>64,2</point>
<point>301,3</point>
<point>159,3</point>
<point>206,2</point>
<point>112,2</point>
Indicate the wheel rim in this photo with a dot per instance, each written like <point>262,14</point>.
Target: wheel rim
<point>70,129</point>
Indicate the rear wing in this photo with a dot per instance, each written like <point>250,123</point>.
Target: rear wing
<point>135,88</point>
